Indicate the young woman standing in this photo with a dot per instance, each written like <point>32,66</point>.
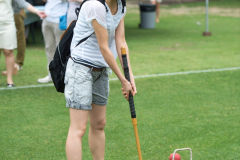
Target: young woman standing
<point>87,74</point>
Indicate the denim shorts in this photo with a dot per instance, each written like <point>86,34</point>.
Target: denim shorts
<point>84,86</point>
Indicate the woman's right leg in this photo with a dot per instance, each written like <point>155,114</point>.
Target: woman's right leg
<point>9,60</point>
<point>78,125</point>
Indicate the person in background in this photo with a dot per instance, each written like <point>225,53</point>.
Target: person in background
<point>157,3</point>
<point>19,15</point>
<point>71,15</point>
<point>8,39</point>
<point>50,29</point>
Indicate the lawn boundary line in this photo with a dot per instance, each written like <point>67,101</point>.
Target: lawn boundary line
<point>136,77</point>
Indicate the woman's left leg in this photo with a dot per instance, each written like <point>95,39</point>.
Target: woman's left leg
<point>9,60</point>
<point>96,138</point>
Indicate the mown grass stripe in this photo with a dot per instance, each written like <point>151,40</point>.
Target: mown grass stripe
<point>136,77</point>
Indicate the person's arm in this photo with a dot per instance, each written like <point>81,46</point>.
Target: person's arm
<point>44,1</point>
<point>30,8</point>
<point>102,38</point>
<point>121,42</point>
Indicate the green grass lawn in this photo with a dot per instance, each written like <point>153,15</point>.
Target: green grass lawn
<point>200,111</point>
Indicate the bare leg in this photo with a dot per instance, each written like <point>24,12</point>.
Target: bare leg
<point>9,60</point>
<point>96,139</point>
<point>78,124</point>
<point>157,9</point>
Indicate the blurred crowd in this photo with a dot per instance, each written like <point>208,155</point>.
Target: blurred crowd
<point>12,30</point>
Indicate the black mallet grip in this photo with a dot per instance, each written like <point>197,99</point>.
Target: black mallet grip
<point>127,76</point>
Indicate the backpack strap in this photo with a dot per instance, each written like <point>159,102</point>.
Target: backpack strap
<point>103,2</point>
<point>77,10</point>
<point>123,5</point>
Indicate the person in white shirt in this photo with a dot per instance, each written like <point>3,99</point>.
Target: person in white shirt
<point>50,29</point>
<point>87,73</point>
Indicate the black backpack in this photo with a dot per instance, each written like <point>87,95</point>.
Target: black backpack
<point>57,66</point>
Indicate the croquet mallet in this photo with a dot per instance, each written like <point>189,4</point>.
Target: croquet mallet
<point>131,102</point>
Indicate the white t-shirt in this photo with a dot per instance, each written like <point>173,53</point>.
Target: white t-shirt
<point>88,52</point>
<point>54,9</point>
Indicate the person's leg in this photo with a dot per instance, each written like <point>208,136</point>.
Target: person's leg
<point>49,40</point>
<point>97,116</point>
<point>78,124</point>
<point>157,11</point>
<point>96,139</point>
<point>21,42</point>
<point>58,34</point>
<point>154,2</point>
<point>78,95</point>
<point>9,60</point>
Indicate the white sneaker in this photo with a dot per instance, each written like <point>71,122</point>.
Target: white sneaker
<point>18,67</point>
<point>45,80</point>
